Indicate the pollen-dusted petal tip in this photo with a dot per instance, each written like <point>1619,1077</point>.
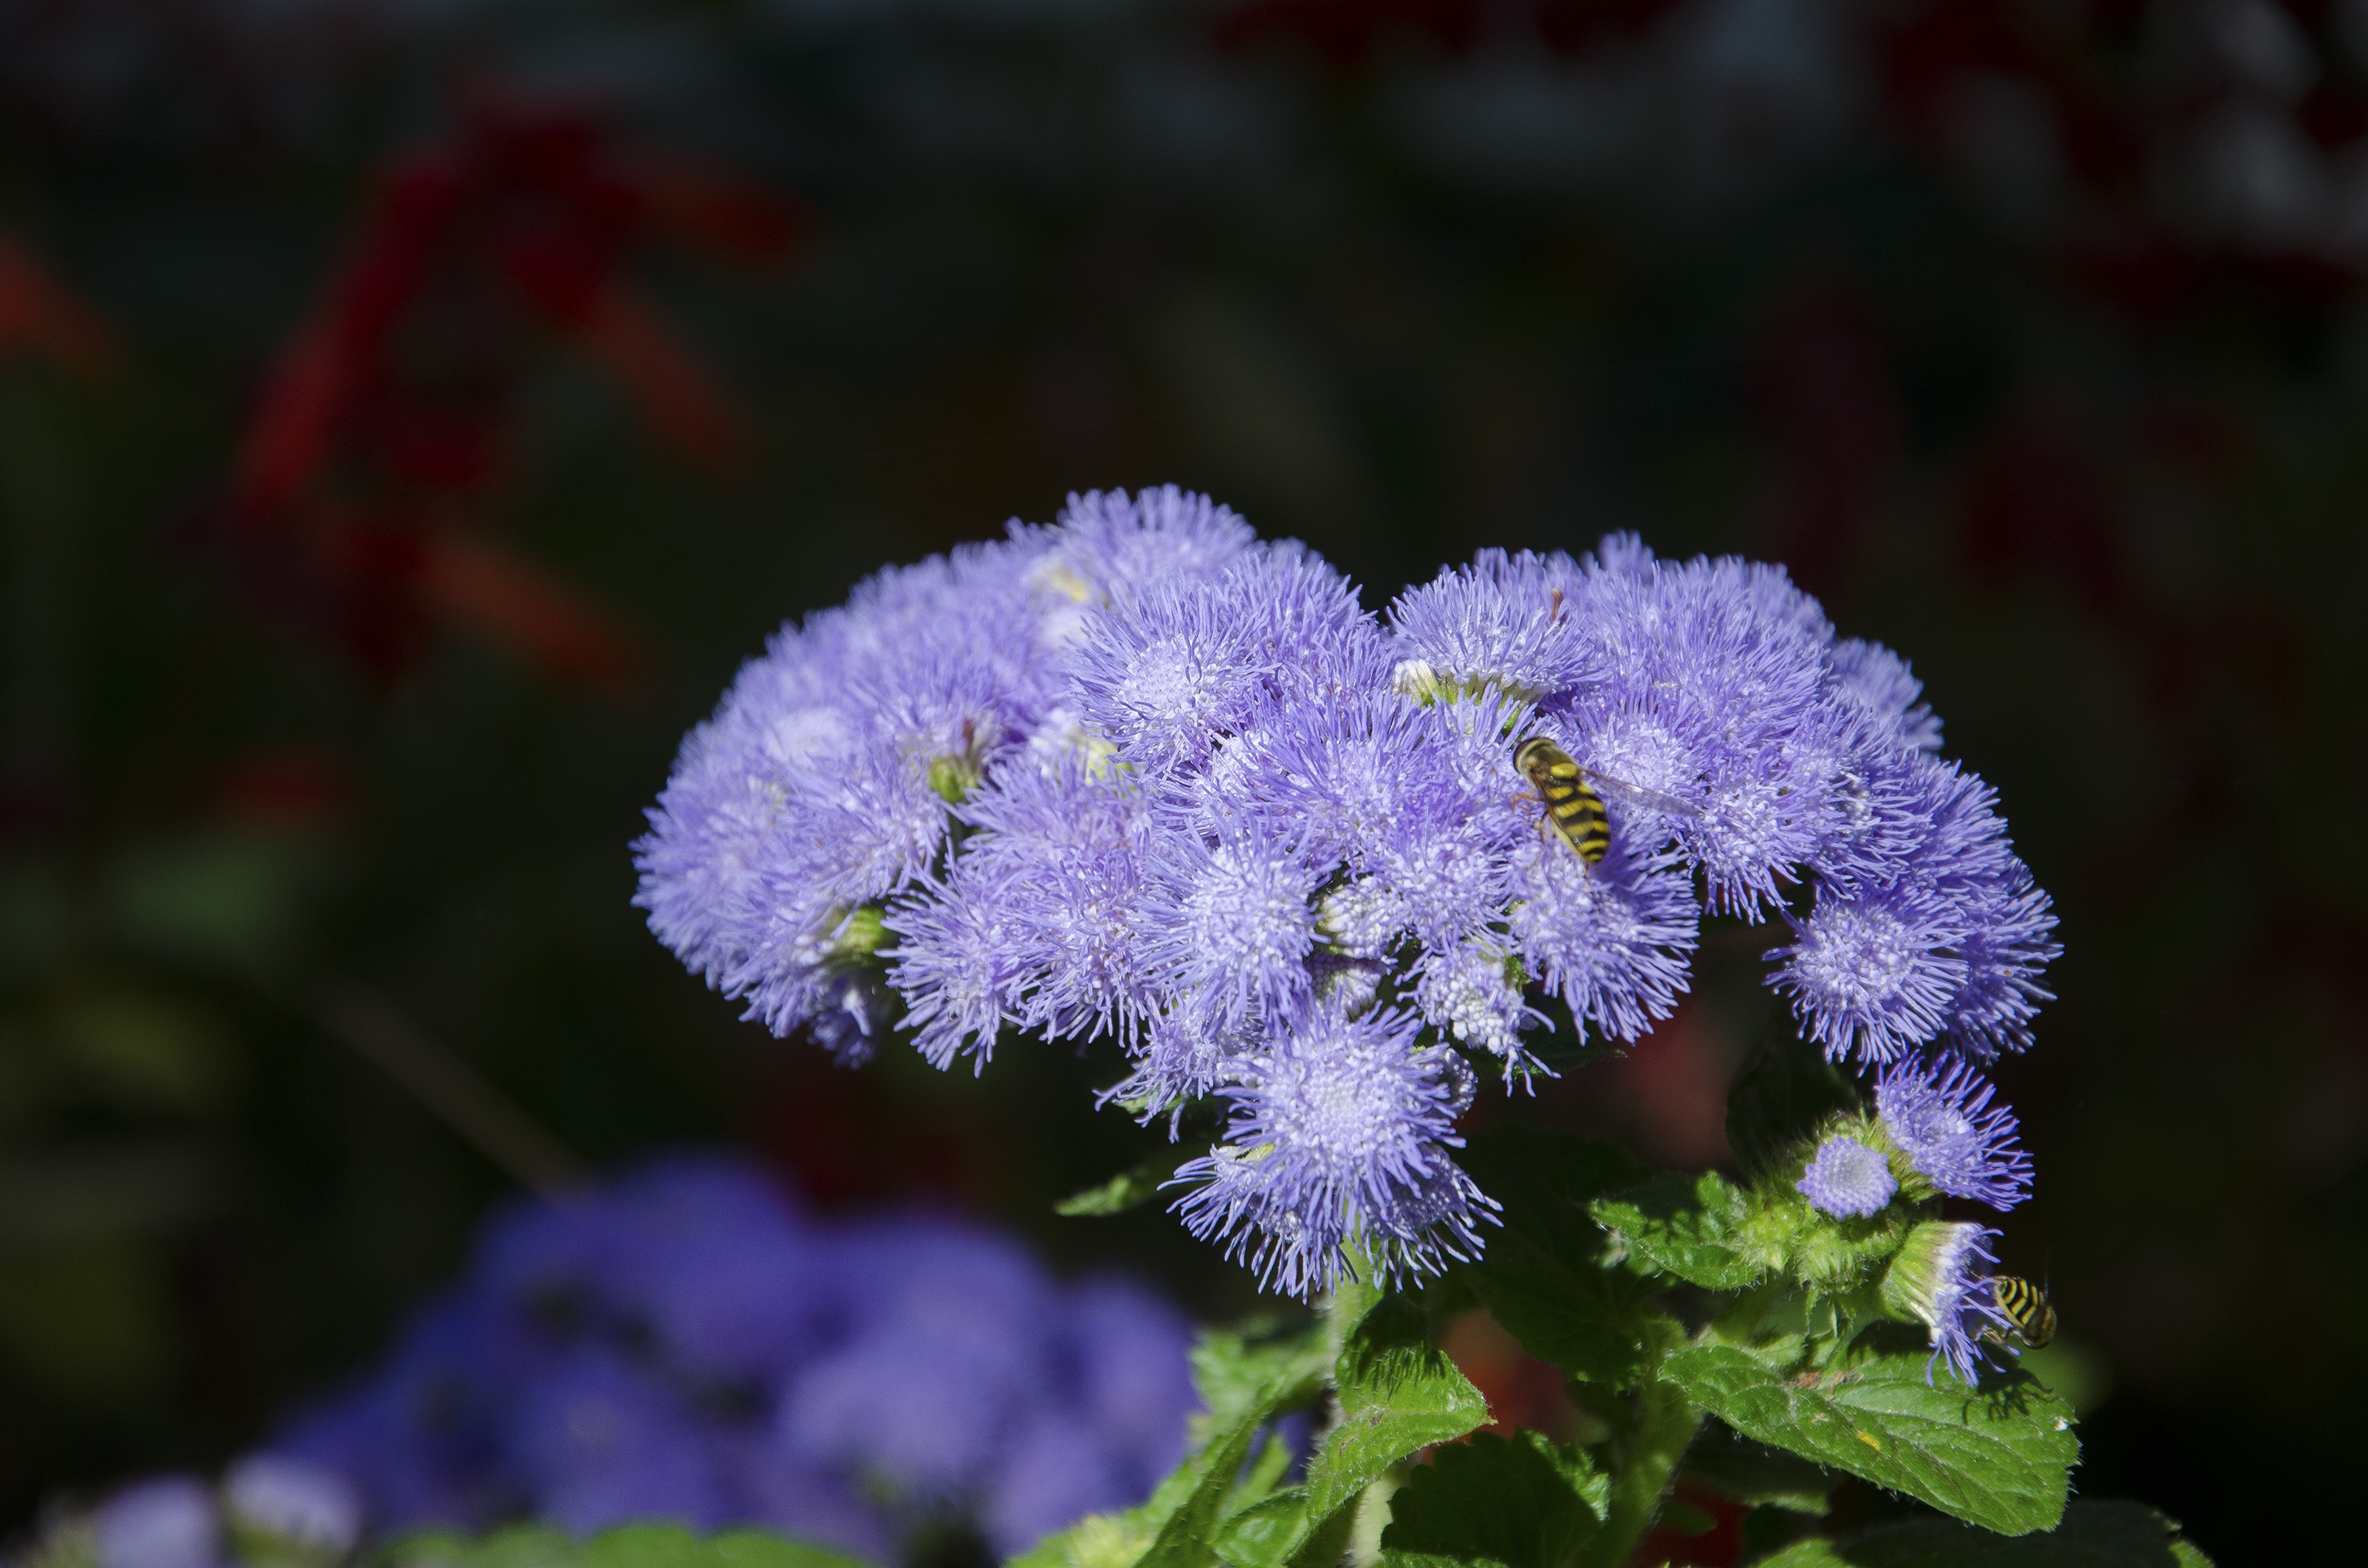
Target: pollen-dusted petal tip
<point>1847,1179</point>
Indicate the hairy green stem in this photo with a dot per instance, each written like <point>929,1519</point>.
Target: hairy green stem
<point>1665,1421</point>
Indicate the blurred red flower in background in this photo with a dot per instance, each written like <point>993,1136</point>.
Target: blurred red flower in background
<point>358,502</point>
<point>37,316</point>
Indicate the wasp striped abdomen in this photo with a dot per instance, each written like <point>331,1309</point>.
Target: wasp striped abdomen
<point>1571,802</point>
<point>2026,1307</point>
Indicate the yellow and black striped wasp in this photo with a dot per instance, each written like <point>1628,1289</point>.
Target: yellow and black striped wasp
<point>1574,797</point>
<point>2026,1306</point>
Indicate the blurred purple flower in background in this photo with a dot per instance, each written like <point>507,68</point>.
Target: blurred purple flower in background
<point>170,1522</point>
<point>685,1345</point>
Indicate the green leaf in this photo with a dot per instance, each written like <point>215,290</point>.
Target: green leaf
<point>1685,1225</point>
<point>2093,1535</point>
<point>1237,1371</point>
<point>1098,1540</point>
<point>1546,1277</point>
<point>631,1546</point>
<point>1245,1379</point>
<point>1245,1376</point>
<point>1787,1089</point>
<point>1999,1457</point>
<point>1265,1534</point>
<point>1130,1188</point>
<point>1522,1501</point>
<point>1397,1394</point>
<point>1755,1473</point>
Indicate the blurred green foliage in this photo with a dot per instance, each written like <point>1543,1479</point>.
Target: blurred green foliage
<point>2116,523</point>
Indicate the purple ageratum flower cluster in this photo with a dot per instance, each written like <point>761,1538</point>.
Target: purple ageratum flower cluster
<point>1137,776</point>
<point>686,1345</point>
<point>821,785</point>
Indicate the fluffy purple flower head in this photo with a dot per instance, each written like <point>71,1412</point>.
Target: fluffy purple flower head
<point>1137,777</point>
<point>1941,1278</point>
<point>1942,1119</point>
<point>823,782</point>
<point>1038,924</point>
<point>1229,924</point>
<point>1338,1143</point>
<point>1926,927</point>
<point>1875,975</point>
<point>1506,623</point>
<point>1872,678</point>
<point>1177,667</point>
<point>1847,1179</point>
<point>1183,1059</point>
<point>1469,992</point>
<point>1613,940</point>
<point>1109,543</point>
<point>1711,689</point>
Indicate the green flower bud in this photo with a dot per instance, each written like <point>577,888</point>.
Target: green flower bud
<point>861,935</point>
<point>953,778</point>
<point>1941,1279</point>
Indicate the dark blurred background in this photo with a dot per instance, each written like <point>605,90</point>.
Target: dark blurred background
<point>412,410</point>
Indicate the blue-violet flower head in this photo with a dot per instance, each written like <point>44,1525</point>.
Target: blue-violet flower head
<point>1847,1179</point>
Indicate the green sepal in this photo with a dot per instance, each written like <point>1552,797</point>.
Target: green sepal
<point>1754,1473</point>
<point>953,778</point>
<point>630,1546</point>
<point>1999,1457</point>
<point>1522,1502</point>
<point>1137,1185</point>
<point>2093,1535</point>
<point>861,933</point>
<point>1686,1225</point>
<point>1549,1276</point>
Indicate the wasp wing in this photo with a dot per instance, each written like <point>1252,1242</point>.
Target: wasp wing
<point>1636,795</point>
